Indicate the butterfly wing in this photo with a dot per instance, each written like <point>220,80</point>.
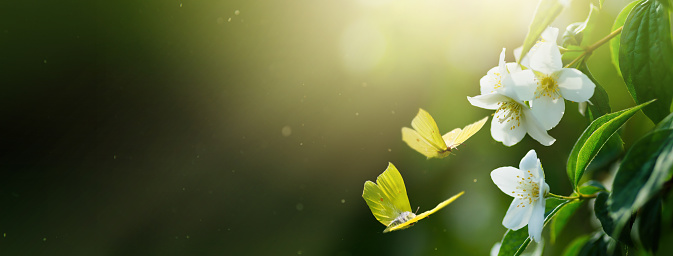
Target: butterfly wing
<point>387,198</point>
<point>427,213</point>
<point>449,137</point>
<point>458,136</point>
<point>418,143</point>
<point>425,125</point>
<point>425,137</point>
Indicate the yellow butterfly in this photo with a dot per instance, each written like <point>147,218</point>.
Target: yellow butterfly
<point>389,202</point>
<point>425,137</point>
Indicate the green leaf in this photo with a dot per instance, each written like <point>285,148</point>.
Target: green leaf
<point>562,217</point>
<point>591,187</point>
<point>592,140</point>
<point>600,102</point>
<point>600,244</point>
<point>580,33</point>
<point>515,241</point>
<point>573,34</point>
<point>649,224</point>
<point>668,4</point>
<point>667,211</point>
<point>667,123</point>
<point>600,106</point>
<point>643,171</point>
<point>576,245</point>
<point>547,11</point>
<point>646,57</point>
<point>595,246</point>
<point>614,43</point>
<point>612,150</point>
<point>607,222</point>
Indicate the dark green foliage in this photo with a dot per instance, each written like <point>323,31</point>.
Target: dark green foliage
<point>621,233</point>
<point>592,140</point>
<point>641,175</point>
<point>646,57</point>
<point>649,224</point>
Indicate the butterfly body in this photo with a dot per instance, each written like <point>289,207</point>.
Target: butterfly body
<point>426,139</point>
<point>401,219</point>
<point>388,201</point>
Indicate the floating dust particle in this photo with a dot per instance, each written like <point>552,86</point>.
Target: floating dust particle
<point>114,157</point>
<point>44,239</point>
<point>390,150</point>
<point>229,20</point>
<point>180,5</point>
<point>299,207</point>
<point>299,252</point>
<point>187,236</point>
<point>301,143</point>
<point>45,61</point>
<point>237,12</point>
<point>357,114</point>
<point>286,131</point>
<point>475,180</point>
<point>364,84</point>
<point>343,201</point>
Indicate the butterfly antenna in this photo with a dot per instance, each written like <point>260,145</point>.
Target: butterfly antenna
<point>417,210</point>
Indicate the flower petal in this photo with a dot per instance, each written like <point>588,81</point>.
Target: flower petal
<point>518,214</point>
<point>517,54</point>
<point>547,58</point>
<point>582,107</point>
<point>508,132</point>
<point>524,84</point>
<point>547,110</point>
<point>536,222</point>
<point>544,187</point>
<point>529,161</point>
<point>507,179</point>
<point>487,101</point>
<point>491,81</point>
<point>575,85</point>
<point>495,249</point>
<point>535,130</point>
<point>501,60</point>
<point>550,34</point>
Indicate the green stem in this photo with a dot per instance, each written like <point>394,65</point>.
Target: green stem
<point>578,196</point>
<point>563,197</point>
<point>564,50</point>
<point>591,48</point>
<point>583,196</point>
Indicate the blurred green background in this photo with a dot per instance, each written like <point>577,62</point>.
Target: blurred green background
<point>249,127</point>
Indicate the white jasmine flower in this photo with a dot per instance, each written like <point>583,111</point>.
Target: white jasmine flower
<point>549,35</point>
<point>528,188</point>
<point>546,84</point>
<point>513,118</point>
